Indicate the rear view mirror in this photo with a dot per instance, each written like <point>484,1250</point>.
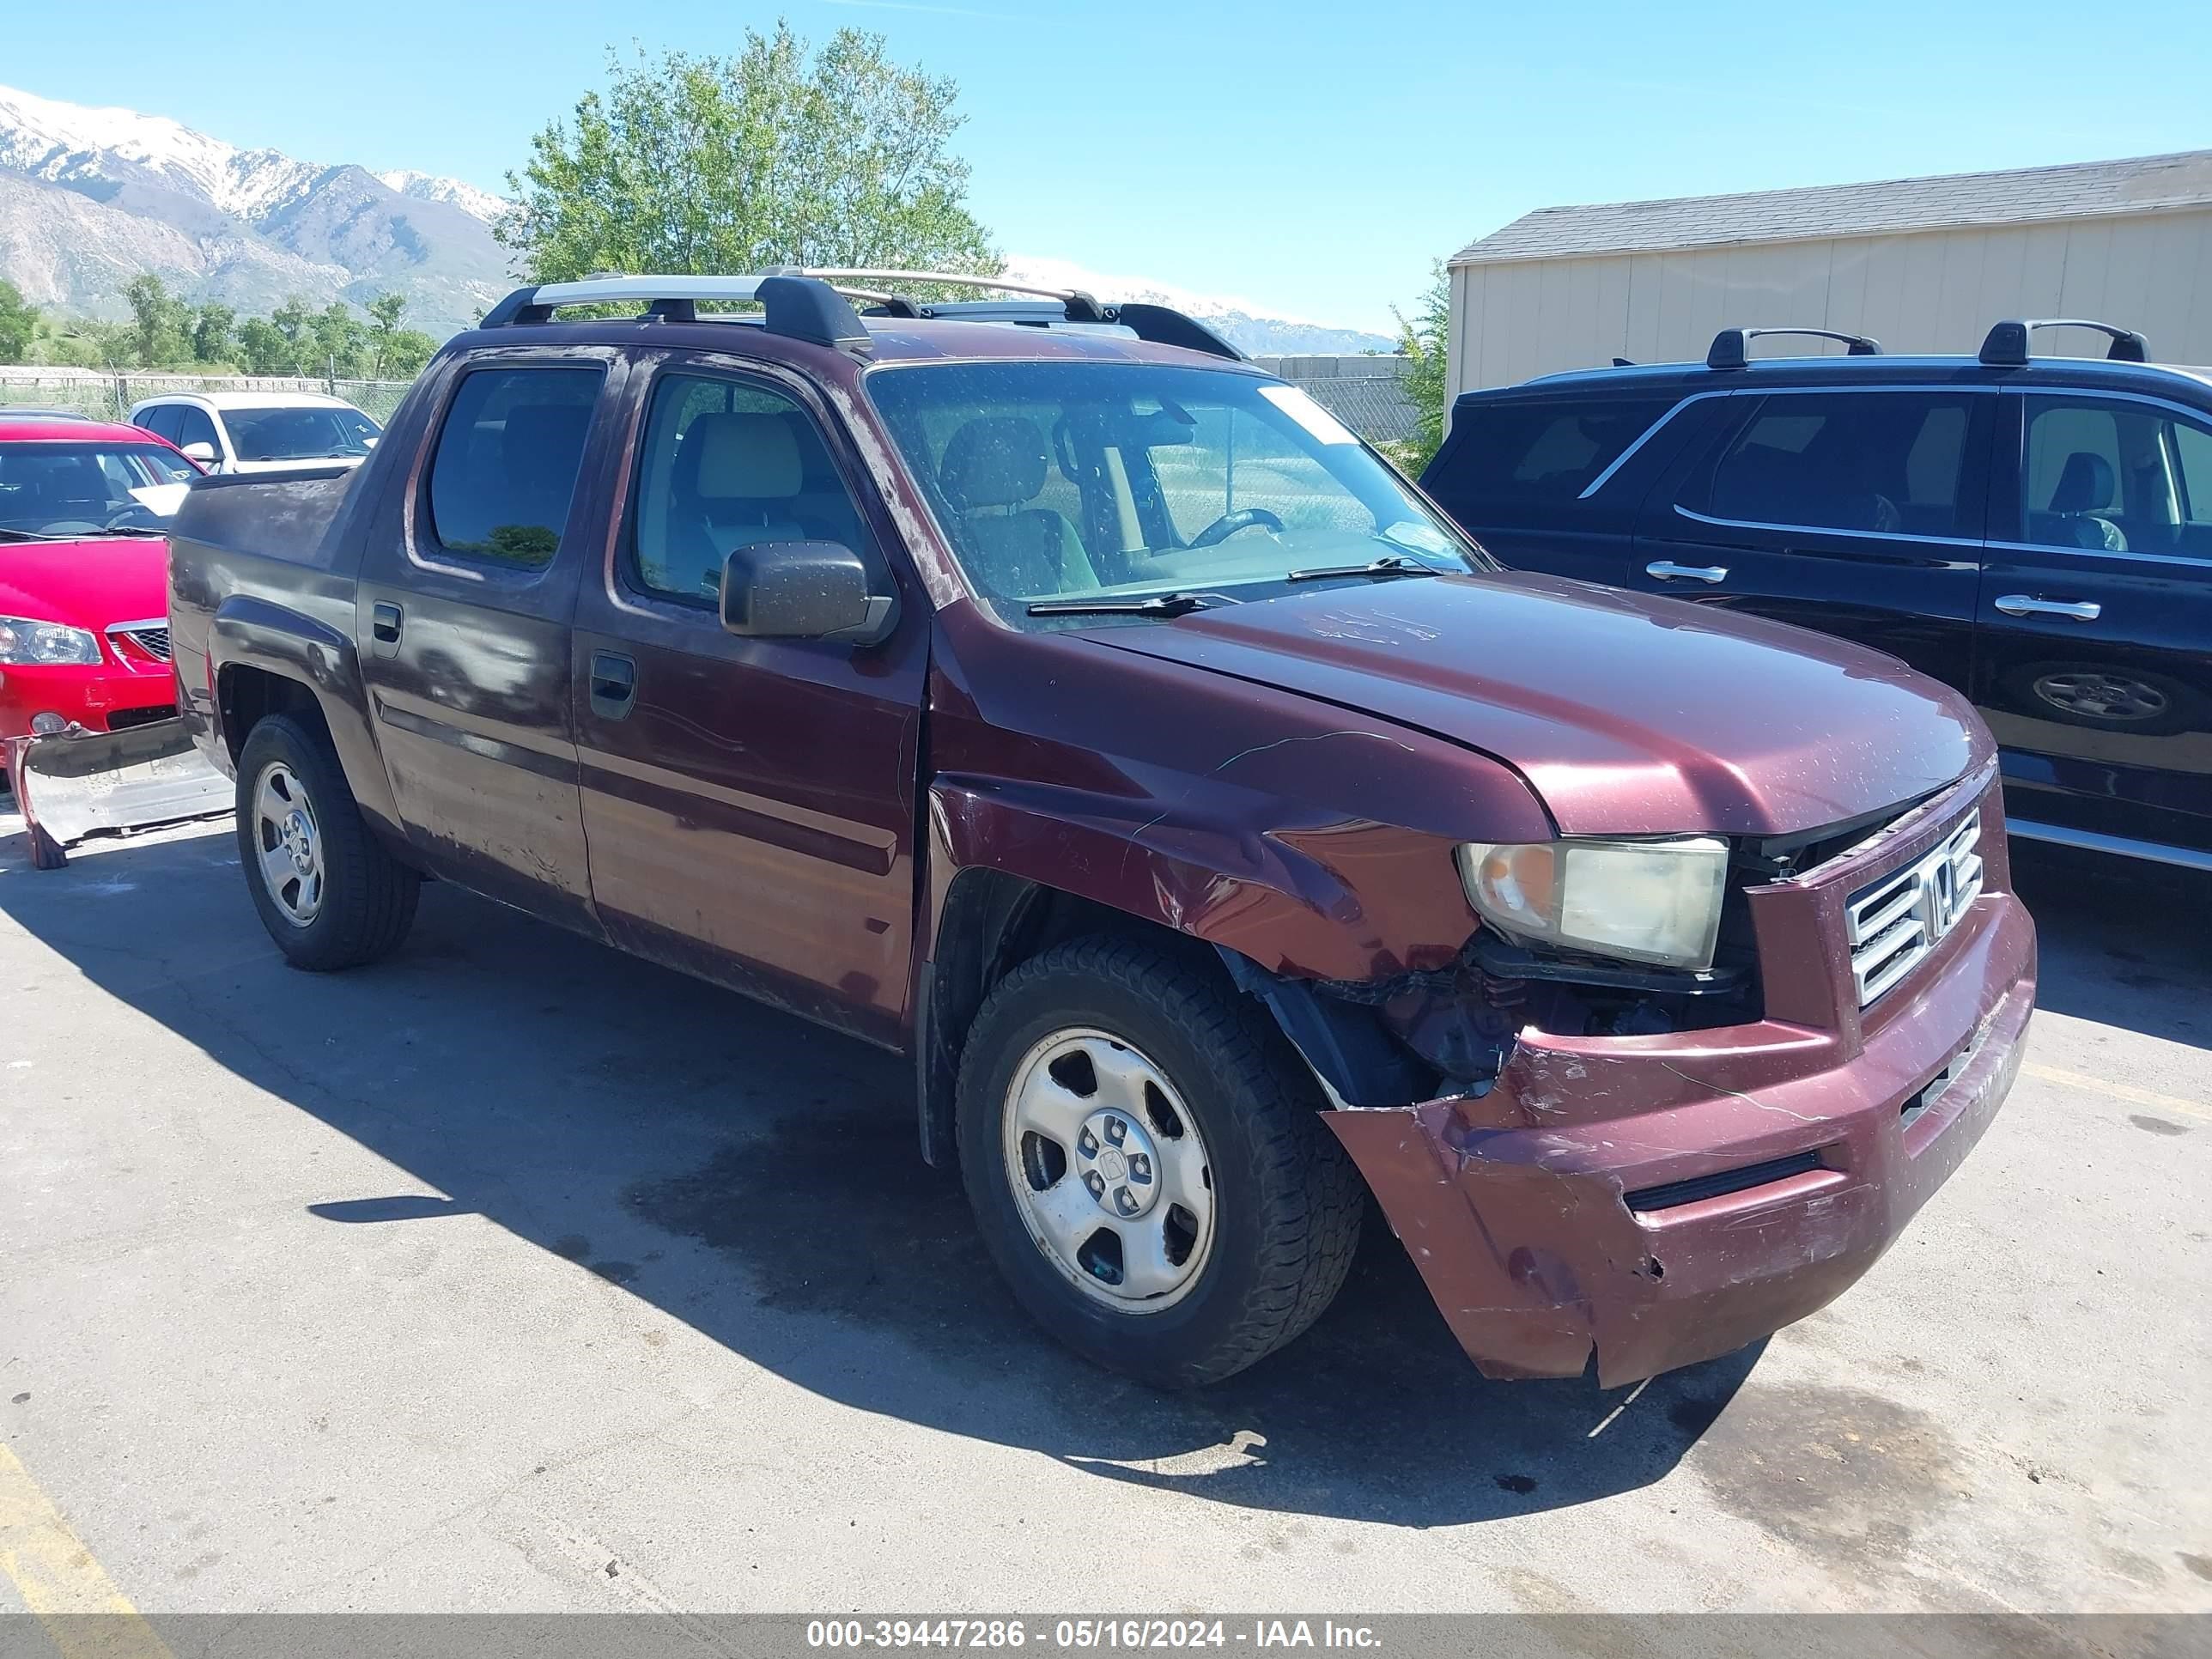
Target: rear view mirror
<point>802,591</point>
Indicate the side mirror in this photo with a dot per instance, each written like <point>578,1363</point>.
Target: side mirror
<point>802,591</point>
<point>204,453</point>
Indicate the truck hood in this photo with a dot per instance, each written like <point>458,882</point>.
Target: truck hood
<point>1628,713</point>
<point>93,583</point>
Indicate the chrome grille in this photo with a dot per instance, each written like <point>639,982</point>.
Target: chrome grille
<point>1893,923</point>
<point>152,638</point>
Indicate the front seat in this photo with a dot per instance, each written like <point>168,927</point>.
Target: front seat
<point>992,470</point>
<point>737,481</point>
<point>2076,515</point>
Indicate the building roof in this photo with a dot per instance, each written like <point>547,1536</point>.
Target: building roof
<point>1888,206</point>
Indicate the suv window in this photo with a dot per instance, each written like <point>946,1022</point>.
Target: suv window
<point>1507,456</point>
<point>728,463</point>
<point>1887,462</point>
<point>2116,477</point>
<point>194,427</point>
<point>508,458</point>
<point>162,422</point>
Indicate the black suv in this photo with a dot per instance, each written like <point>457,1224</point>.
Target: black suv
<point>2036,532</point>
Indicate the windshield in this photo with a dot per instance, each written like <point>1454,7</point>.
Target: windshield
<point>299,434</point>
<point>80,489</point>
<point>1061,482</point>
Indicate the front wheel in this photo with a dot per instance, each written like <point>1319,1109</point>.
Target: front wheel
<point>1147,1164</point>
<point>328,891</point>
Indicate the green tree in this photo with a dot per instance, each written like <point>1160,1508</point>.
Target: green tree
<point>339,341</point>
<point>295,322</point>
<point>385,311</point>
<point>263,348</point>
<point>159,321</point>
<point>1425,340</point>
<point>212,323</point>
<point>777,155</point>
<point>404,354</point>
<point>19,324</point>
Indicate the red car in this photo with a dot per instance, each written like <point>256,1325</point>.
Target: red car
<point>84,557</point>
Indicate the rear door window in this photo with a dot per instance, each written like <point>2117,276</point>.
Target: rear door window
<point>1504,459</point>
<point>506,462</point>
<point>162,422</point>
<point>1890,463</point>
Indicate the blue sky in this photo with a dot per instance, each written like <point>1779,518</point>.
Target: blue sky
<point>1312,157</point>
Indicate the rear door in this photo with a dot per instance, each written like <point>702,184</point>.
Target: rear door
<point>750,802</point>
<point>2095,663</point>
<point>466,594</point>
<point>1546,484</point>
<point>1855,512</point>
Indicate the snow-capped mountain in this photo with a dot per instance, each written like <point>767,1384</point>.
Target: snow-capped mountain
<point>430,187</point>
<point>90,198</point>
<point>1245,323</point>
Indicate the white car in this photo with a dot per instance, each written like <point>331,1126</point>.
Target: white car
<point>260,431</point>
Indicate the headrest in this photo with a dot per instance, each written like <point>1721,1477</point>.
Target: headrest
<point>996,461</point>
<point>2085,485</point>
<point>744,458</point>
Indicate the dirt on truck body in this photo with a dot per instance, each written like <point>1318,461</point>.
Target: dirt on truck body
<point>1044,693</point>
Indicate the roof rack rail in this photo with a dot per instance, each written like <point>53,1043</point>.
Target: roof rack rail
<point>1162,325</point>
<point>1728,350</point>
<point>797,307</point>
<point>2006,345</point>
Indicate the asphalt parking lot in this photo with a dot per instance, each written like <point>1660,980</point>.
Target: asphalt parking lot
<point>516,1274</point>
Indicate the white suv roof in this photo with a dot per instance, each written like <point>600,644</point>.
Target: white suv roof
<point>246,400</point>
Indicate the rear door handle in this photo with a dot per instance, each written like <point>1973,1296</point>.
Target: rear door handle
<point>614,684</point>
<point>2019,604</point>
<point>1666,570</point>
<point>384,629</point>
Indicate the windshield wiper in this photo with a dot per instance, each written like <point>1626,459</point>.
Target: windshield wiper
<point>1156,604</point>
<point>1382,569</point>
<point>47,536</point>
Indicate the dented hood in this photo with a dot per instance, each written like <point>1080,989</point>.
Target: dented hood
<point>1628,713</point>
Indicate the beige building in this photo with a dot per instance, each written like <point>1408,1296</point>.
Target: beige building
<point>1921,264</point>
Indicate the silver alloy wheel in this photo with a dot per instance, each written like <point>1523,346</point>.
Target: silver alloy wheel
<point>289,842</point>
<point>2102,696</point>
<point>1109,1171</point>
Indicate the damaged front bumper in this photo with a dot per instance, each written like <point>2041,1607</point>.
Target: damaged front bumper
<point>78,783</point>
<point>1665,1200</point>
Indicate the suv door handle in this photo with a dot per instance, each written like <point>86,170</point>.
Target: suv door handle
<point>384,629</point>
<point>1665,570</point>
<point>614,684</point>
<point>2019,604</point>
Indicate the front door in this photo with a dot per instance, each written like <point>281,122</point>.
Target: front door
<point>750,803</point>
<point>2094,662</point>
<point>1858,513</point>
<point>466,599</point>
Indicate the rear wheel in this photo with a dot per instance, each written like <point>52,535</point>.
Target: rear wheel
<point>329,893</point>
<point>1147,1164</point>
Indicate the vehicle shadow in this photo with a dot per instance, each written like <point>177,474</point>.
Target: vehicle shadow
<point>2121,942</point>
<point>757,1179</point>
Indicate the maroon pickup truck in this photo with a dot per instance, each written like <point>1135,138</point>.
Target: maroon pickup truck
<point>1039,690</point>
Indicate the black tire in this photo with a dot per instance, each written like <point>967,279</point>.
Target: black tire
<point>368,901</point>
<point>1288,1202</point>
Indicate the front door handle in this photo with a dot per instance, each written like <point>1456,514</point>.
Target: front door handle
<point>1666,570</point>
<point>384,629</point>
<point>2019,604</point>
<point>614,684</point>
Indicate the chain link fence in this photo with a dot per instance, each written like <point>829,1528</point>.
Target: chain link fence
<point>111,397</point>
<point>1366,392</point>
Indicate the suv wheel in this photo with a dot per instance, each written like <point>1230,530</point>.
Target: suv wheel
<point>1147,1164</point>
<point>328,892</point>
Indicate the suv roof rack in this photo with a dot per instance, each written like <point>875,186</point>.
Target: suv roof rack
<point>813,303</point>
<point>2005,346</point>
<point>1729,345</point>
<point>797,306</point>
<point>1162,325</point>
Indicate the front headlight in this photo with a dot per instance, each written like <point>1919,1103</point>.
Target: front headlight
<point>1643,901</point>
<point>24,640</point>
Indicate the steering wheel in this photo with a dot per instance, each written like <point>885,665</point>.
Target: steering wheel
<point>134,516</point>
<point>1229,523</point>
